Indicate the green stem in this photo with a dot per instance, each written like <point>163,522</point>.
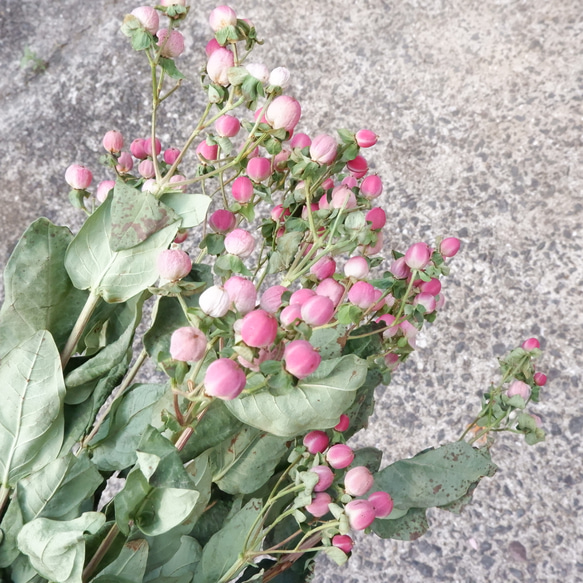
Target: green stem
<point>100,553</point>
<point>4,498</point>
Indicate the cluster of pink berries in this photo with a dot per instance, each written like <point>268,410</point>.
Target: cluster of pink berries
<point>520,388</point>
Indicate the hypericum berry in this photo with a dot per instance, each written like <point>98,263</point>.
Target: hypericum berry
<point>207,152</point>
<point>418,256</point>
<point>113,141</point>
<point>214,301</point>
<point>279,161</point>
<point>324,267</point>
<point>242,189</point>
<point>360,514</point>
<point>137,149</point>
<point>125,163</point>
<point>319,505</point>
<point>78,177</point>
<point>340,456</point>
<point>356,267</point>
<point>227,126</point>
<point>103,189</point>
<point>342,542</point>
<point>271,298</point>
<point>531,344</point>
<point>301,358</point>
<point>259,328</point>
<point>371,187</point>
<point>300,140</point>
<point>224,379</point>
<point>362,294</point>
<point>148,18</point>
<point>171,43</point>
<point>326,476</point>
<point>449,247</point>
<point>171,155</point>
<point>330,288</point>
<point>358,481</point>
<point>382,503</point>
<point>242,293</point>
<point>222,16</point>
<point>181,236</point>
<point>316,441</point>
<point>150,186</point>
<point>173,264</point>
<point>365,138</point>
<point>357,167</point>
<point>323,149</point>
<point>392,361</point>
<point>222,221</point>
<point>279,77</point>
<point>426,300</point>
<point>400,269</point>
<point>377,217</point>
<point>148,147</point>
<point>343,197</point>
<point>432,287</point>
<point>240,242</point>
<point>317,311</point>
<point>173,3</point>
<point>409,332</point>
<point>259,71</point>
<point>375,247</point>
<point>146,169</point>
<point>211,47</point>
<point>518,388</point>
<point>291,315</point>
<point>188,344</point>
<point>540,379</point>
<point>388,320</point>
<point>343,424</point>
<point>283,112</point>
<point>218,65</point>
<point>259,169</point>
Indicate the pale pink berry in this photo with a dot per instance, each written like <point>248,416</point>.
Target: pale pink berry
<point>78,177</point>
<point>357,167</point>
<point>150,185</point>
<point>171,43</point>
<point>148,147</point>
<point>242,293</point>
<point>279,77</point>
<point>409,332</point>
<point>148,18</point>
<point>377,217</point>
<point>188,344</point>
<point>259,169</point>
<point>291,315</point>
<point>242,189</point>
<point>301,358</point>
<point>349,181</point>
<point>426,300</point>
<point>392,361</point>
<point>125,163</point>
<point>113,141</point>
<point>382,503</point>
<point>207,152</point>
<point>218,65</point>
<point>212,46</point>
<point>224,379</point>
<point>173,264</point>
<point>283,113</point>
<point>181,236</point>
<point>319,505</point>
<point>271,298</point>
<point>137,148</point>
<point>222,16</point>
<point>326,477</point>
<point>342,542</point>
<point>343,424</point>
<point>301,296</point>
<point>343,197</point>
<point>418,256</point>
<point>222,221</point>
<point>175,180</point>
<point>103,189</point>
<point>279,161</point>
<point>449,247</point>
<point>332,289</point>
<point>531,344</point>
<point>317,311</point>
<point>388,320</point>
<point>340,456</point>
<point>146,169</point>
<point>227,126</point>
<point>240,242</point>
<point>432,287</point>
<point>518,388</point>
<point>540,379</point>
<point>371,187</point>
<point>328,184</point>
<point>358,481</point>
<point>167,3</point>
<point>400,269</point>
<point>360,514</point>
<point>440,301</point>
<point>323,149</point>
<point>259,328</point>
<point>365,138</point>
<point>323,268</point>
<point>316,441</point>
<point>300,140</point>
<point>214,301</point>
<point>362,294</point>
<point>356,267</point>
<point>375,247</point>
<point>258,71</point>
<point>171,155</point>
<point>313,207</point>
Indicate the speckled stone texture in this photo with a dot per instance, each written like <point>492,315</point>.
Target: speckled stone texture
<point>479,110</point>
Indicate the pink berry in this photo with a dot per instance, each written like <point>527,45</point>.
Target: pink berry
<point>323,268</point>
<point>125,163</point>
<point>259,71</point>
<point>432,287</point>
<point>340,456</point>
<point>343,542</point>
<point>214,301</point>
<point>362,294</point>
<point>222,221</point>
<point>103,189</point>
<point>259,169</point>
<point>365,138</point>
<point>326,477</point>
<point>418,256</point>
<point>392,361</point>
<point>138,149</point>
<point>518,388</point>
<point>224,379</point>
<point>242,189</point>
<point>259,328</point>
<point>382,503</point>
<point>173,2</point>
<point>356,267</point>
<point>400,269</point>
<point>207,152</point>
<point>171,43</point>
<point>242,293</point>
<point>240,242</point>
<point>148,18</point>
<point>330,288</point>
<point>113,141</point>
<point>323,149</point>
<point>227,126</point>
<point>319,505</point>
<point>540,379</point>
<point>343,197</point>
<point>148,147</point>
<point>291,315</point>
<point>181,236</point>
<point>301,296</point>
<point>173,264</point>
<point>409,332</point>
<point>317,311</point>
<point>328,184</point>
<point>357,167</point>
<point>300,140</point>
<point>388,320</point>
<point>188,344</point>
<point>271,298</point>
<point>316,441</point>
<point>171,155</point>
<point>358,481</point>
<point>301,358</point>
<point>371,187</point>
<point>283,112</point>
<point>279,212</point>
<point>426,300</point>
<point>449,247</point>
<point>218,65</point>
<point>531,344</point>
<point>221,17</point>
<point>360,514</point>
<point>78,177</point>
<point>212,46</point>
<point>146,169</point>
<point>279,77</point>
<point>343,424</point>
<point>377,217</point>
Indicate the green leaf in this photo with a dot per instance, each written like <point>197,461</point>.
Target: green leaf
<point>181,567</point>
<point>214,243</point>
<point>363,405</point>
<point>24,572</point>
<point>130,565</point>
<point>56,549</point>
<point>288,245</point>
<point>337,555</point>
<point>191,208</point>
<point>31,417</point>
<point>170,69</point>
<point>10,527</point>
<point>115,275</point>
<point>369,344</point>
<point>408,527</point>
<point>315,403</point>
<point>369,457</point>
<point>325,340</point>
<point>38,292</point>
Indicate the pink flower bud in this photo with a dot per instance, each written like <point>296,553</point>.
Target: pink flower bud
<point>426,300</point>
<point>382,503</point>
<point>242,189</point>
<point>388,320</point>
<point>172,44</point>
<point>224,379</point>
<point>540,379</point>
<point>222,221</point>
<point>356,267</point>
<point>362,294</point>
<point>283,112</point>
<point>323,268</point>
<point>326,477</point>
<point>214,301</point>
<point>323,149</point>
<point>392,361</point>
<point>343,197</point>
<point>258,71</point>
<point>222,16</point>
<point>418,256</point>
<point>240,242</point>
<point>78,177</point>
<point>432,287</point>
<point>146,169</point>
<point>137,148</point>
<point>227,126</point>
<point>212,46</point>
<point>330,288</point>
<point>271,298</point>
<point>301,358</point>
<point>259,328</point>
<point>531,344</point>
<point>125,163</point>
<point>343,424</point>
<point>371,187</point>
<point>171,155</point>
<point>188,344</point>
<point>300,140</point>
<point>319,505</point>
<point>259,169</point>
<point>518,388</point>
<point>449,247</point>
<point>377,217</point>
<point>103,189</point>
<point>173,264</point>
<point>365,138</point>
<point>279,77</point>
<point>242,293</point>
<point>317,311</point>
<point>342,542</point>
<point>360,514</point>
<point>358,481</point>
<point>290,315</point>
<point>113,141</point>
<point>207,152</point>
<point>218,65</point>
<point>400,269</point>
<point>148,18</point>
<point>340,456</point>
<point>316,441</point>
<point>357,167</point>
<point>148,147</point>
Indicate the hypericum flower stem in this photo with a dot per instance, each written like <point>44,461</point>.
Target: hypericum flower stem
<point>86,313</point>
<point>100,553</point>
<point>4,497</point>
<point>407,292</point>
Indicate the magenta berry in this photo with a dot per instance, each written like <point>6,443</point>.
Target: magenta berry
<point>323,268</point>
<point>283,112</point>
<point>317,311</point>
<point>382,503</point>
<point>392,361</point>
<point>222,16</point>
<point>300,140</point>
<point>316,441</point>
<point>449,247</point>
<point>362,294</point>
<point>301,296</point>
<point>240,242</point>
<point>531,344</point>
<point>340,456</point>
<point>242,293</point>
<point>365,138</point>
<point>343,542</point>
<point>137,148</point>
<point>343,424</point>
<point>113,141</point>
<point>171,155</point>
<point>212,46</point>
<point>207,152</point>
<point>356,267</point>
<point>78,177</point>
<point>371,187</point>
<point>358,481</point>
<point>148,18</point>
<point>357,167</point>
<point>148,147</point>
<point>218,65</point>
<point>271,298</point>
<point>360,514</point>
<point>259,169</point>
<point>291,315</point>
<point>319,505</point>
<point>323,149</point>
<point>377,217</point>
<point>349,181</point>
<point>400,269</point>
<point>518,388</point>
<point>103,189</point>
<point>224,379</point>
<point>326,477</point>
<point>540,379</point>
<point>170,42</point>
<point>259,328</point>
<point>173,264</point>
<point>222,221</point>
<point>330,288</point>
<point>432,287</point>
<point>214,301</point>
<point>242,189</point>
<point>301,358</point>
<point>188,344</point>
<point>418,256</point>
<point>227,126</point>
<point>181,236</point>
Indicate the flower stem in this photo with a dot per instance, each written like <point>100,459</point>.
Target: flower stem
<point>100,553</point>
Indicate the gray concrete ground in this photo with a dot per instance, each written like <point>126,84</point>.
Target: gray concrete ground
<point>479,110</point>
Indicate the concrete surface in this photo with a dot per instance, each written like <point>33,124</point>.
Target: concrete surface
<point>478,105</point>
